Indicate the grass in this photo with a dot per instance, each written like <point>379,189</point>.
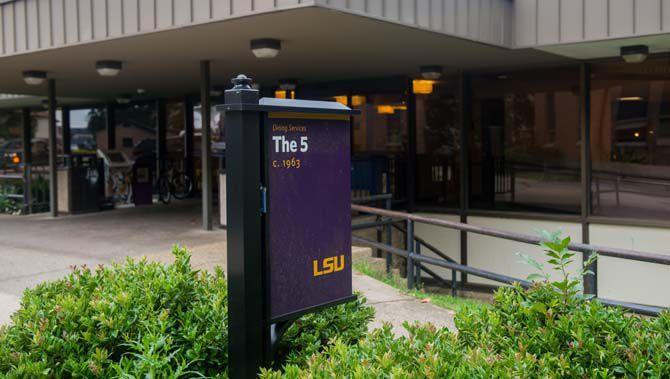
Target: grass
<point>399,283</point>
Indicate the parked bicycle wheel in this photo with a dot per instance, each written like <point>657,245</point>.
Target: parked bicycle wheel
<point>182,186</point>
<point>164,193</point>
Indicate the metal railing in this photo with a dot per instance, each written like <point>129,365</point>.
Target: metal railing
<point>416,262</point>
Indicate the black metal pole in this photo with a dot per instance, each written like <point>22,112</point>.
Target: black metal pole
<point>161,135</point>
<point>67,135</point>
<point>205,84</point>
<point>248,340</point>
<point>26,123</point>
<point>411,153</point>
<point>53,150</point>
<point>188,136</point>
<point>590,281</point>
<point>466,126</point>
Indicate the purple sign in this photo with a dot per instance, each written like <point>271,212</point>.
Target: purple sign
<point>309,219</point>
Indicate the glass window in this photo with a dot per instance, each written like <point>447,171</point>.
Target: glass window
<point>438,139</point>
<point>136,122</point>
<point>525,152</point>
<point>40,140</point>
<point>630,139</point>
<point>174,133</point>
<point>87,130</point>
<point>379,145</point>
<point>11,143</point>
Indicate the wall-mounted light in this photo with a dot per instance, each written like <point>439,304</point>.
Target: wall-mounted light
<point>282,94</point>
<point>288,84</point>
<point>422,87</point>
<point>635,53</point>
<point>631,98</point>
<point>432,72</point>
<point>124,99</point>
<point>34,78</point>
<point>108,68</point>
<point>265,47</point>
<point>390,109</point>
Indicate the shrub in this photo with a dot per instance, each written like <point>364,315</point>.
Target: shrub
<point>143,319</point>
<point>547,331</point>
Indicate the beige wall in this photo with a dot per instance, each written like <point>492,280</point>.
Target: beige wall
<point>618,279</point>
<point>494,254</point>
<point>446,240</point>
<point>499,256</point>
<point>637,282</point>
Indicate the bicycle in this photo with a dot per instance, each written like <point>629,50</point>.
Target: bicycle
<point>173,182</point>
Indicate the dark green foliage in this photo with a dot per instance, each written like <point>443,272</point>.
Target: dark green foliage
<point>348,322</point>
<point>143,319</point>
<point>132,320</point>
<point>548,331</point>
<point>526,334</point>
<point>8,205</point>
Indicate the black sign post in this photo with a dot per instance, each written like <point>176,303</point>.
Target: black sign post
<point>289,222</point>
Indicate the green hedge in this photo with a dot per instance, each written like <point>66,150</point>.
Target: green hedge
<point>150,320</point>
<point>144,319</point>
<point>548,331</point>
<point>516,338</point>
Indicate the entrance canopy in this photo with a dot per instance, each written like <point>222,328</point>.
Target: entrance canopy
<point>318,45</point>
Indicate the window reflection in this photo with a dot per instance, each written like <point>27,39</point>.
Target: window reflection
<point>525,152</point>
<point>630,139</point>
<point>379,144</point>
<point>438,141</point>
<point>87,130</point>
<point>136,130</point>
<point>11,143</point>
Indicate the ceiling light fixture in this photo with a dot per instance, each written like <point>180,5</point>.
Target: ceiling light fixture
<point>432,72</point>
<point>108,68</point>
<point>34,78</point>
<point>265,47</point>
<point>635,53</point>
<point>124,99</point>
<point>216,91</point>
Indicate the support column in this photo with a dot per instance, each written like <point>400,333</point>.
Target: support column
<point>205,148</point>
<point>67,135</point>
<point>411,142</point>
<point>26,125</point>
<point>188,136</point>
<point>590,281</point>
<point>464,199</point>
<point>161,135</point>
<point>53,152</point>
<point>110,120</point>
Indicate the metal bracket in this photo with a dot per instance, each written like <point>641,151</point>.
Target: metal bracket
<point>264,199</point>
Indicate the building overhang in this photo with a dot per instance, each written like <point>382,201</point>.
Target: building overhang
<point>318,45</point>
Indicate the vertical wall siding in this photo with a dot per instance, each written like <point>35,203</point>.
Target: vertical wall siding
<point>480,20</point>
<point>542,22</point>
<point>28,25</point>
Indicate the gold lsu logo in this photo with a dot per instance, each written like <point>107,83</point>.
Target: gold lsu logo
<point>328,265</point>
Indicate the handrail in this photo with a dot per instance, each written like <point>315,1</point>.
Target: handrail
<point>519,237</point>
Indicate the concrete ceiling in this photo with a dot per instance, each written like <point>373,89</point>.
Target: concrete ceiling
<point>319,45</point>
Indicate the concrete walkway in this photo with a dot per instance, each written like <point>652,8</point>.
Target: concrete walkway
<point>38,248</point>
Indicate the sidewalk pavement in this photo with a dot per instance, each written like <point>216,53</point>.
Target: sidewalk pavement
<point>38,248</point>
